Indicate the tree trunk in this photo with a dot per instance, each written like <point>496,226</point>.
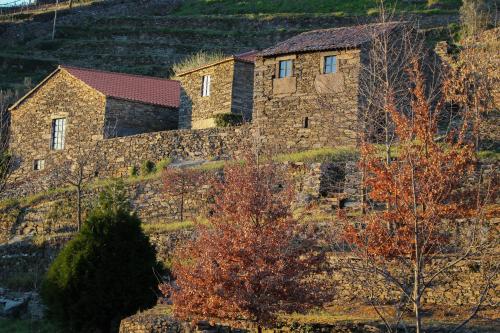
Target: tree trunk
<point>79,206</point>
<point>259,329</point>
<point>182,207</point>
<point>70,4</point>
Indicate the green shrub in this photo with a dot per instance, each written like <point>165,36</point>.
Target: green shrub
<point>228,119</point>
<point>133,171</point>
<point>163,164</point>
<point>148,167</point>
<point>105,273</point>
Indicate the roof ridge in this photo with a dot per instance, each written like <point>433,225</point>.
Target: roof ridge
<point>116,73</point>
<point>350,26</point>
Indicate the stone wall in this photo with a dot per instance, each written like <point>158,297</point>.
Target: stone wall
<point>115,156</point>
<point>197,111</point>
<point>203,144</point>
<point>309,109</point>
<point>125,118</point>
<point>242,92</point>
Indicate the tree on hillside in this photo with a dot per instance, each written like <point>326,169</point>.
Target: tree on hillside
<point>83,164</point>
<point>433,220</point>
<point>476,16</point>
<point>105,273</point>
<point>253,259</point>
<point>181,184</point>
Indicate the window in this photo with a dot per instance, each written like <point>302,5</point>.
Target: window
<point>306,122</point>
<point>39,165</point>
<point>205,87</point>
<point>285,68</point>
<point>58,129</point>
<point>330,64</point>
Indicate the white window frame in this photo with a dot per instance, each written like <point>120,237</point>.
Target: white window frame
<point>205,85</point>
<point>58,133</point>
<point>333,67</point>
<point>288,68</point>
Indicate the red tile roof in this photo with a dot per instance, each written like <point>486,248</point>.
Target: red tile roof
<point>330,39</point>
<point>136,88</point>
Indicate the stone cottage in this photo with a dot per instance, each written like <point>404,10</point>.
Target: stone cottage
<point>306,91</point>
<point>223,87</point>
<point>74,108</point>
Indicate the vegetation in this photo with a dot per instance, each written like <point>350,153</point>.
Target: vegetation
<point>28,326</point>
<point>105,273</point>
<point>422,204</point>
<point>163,164</point>
<point>253,259</point>
<point>228,119</point>
<point>359,7</point>
<point>196,60</point>
<point>320,155</point>
<point>147,168</point>
<point>181,184</point>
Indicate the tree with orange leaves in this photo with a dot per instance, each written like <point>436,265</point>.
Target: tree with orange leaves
<point>252,260</point>
<point>410,242</point>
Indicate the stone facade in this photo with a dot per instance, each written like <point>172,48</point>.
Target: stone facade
<point>308,109</point>
<point>125,118</point>
<point>61,96</point>
<point>231,91</point>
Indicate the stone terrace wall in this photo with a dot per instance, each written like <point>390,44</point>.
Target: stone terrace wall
<point>210,143</point>
<point>116,155</point>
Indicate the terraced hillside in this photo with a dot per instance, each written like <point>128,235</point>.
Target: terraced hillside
<point>147,37</point>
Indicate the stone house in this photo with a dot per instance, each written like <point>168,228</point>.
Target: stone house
<point>306,91</point>
<point>74,108</point>
<point>223,87</point>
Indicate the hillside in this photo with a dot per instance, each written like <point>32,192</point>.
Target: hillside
<point>148,37</point>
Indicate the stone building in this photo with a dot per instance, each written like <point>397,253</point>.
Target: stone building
<point>306,91</point>
<point>223,87</point>
<point>73,109</point>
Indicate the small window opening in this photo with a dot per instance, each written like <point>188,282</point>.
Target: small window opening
<point>330,64</point>
<point>39,165</point>
<point>306,122</point>
<point>205,88</point>
<point>285,68</point>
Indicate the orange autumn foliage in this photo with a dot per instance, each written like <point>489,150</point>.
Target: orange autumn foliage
<point>422,189</point>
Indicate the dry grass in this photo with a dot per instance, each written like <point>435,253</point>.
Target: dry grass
<point>196,60</point>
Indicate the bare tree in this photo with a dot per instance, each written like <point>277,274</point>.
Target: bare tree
<point>7,97</point>
<point>83,163</point>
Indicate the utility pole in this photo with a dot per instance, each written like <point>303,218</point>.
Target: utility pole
<point>55,19</point>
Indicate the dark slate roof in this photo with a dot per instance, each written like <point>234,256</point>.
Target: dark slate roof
<point>247,56</point>
<point>136,88</point>
<point>330,39</point>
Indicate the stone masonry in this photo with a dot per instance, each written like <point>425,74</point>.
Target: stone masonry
<point>309,109</point>
<point>231,91</point>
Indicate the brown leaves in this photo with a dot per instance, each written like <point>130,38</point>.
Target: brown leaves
<point>252,260</point>
<point>419,188</point>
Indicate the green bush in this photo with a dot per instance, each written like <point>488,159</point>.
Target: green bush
<point>133,171</point>
<point>147,167</point>
<point>163,164</point>
<point>105,273</point>
<point>228,119</point>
